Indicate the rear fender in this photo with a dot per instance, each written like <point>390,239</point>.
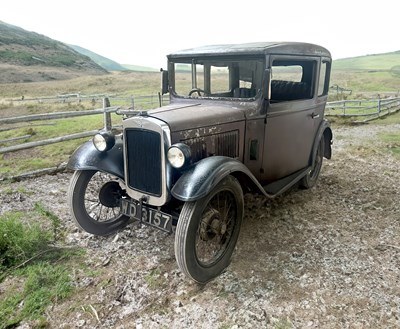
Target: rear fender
<point>326,132</point>
<point>201,178</point>
<point>87,157</point>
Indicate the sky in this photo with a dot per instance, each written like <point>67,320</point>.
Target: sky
<point>143,32</point>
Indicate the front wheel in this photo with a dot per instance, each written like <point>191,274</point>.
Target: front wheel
<point>94,198</point>
<point>207,231</point>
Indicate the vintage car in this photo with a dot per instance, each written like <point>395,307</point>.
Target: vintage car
<point>241,118</point>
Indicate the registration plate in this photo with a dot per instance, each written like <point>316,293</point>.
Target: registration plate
<point>147,215</point>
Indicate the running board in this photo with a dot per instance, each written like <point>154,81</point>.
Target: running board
<point>283,184</point>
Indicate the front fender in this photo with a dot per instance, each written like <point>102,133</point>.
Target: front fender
<point>87,157</point>
<point>200,179</point>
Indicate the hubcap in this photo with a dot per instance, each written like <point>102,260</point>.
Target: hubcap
<point>210,224</point>
<point>110,194</point>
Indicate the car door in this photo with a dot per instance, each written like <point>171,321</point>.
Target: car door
<point>293,116</point>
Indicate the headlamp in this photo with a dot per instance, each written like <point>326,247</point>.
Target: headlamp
<point>179,155</point>
<point>103,141</point>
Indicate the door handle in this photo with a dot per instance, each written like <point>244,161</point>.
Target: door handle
<point>315,116</point>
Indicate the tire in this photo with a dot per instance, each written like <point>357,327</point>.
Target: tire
<point>93,198</point>
<point>311,178</point>
<point>207,231</point>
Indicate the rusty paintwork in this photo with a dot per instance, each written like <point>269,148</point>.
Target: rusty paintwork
<point>247,117</point>
<point>275,133</point>
<point>264,115</point>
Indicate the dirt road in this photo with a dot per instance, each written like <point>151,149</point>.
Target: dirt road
<point>328,257</point>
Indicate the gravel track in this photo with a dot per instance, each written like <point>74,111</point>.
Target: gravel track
<point>328,257</point>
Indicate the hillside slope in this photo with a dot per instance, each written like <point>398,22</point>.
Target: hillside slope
<point>28,56</point>
<point>139,68</point>
<point>104,62</point>
<point>379,62</point>
<point>111,65</point>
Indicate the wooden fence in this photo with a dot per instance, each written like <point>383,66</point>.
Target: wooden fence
<point>139,103</point>
<point>349,108</point>
<point>106,110</point>
<point>368,108</point>
<point>132,101</point>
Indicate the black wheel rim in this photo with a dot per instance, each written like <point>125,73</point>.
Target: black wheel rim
<point>110,194</point>
<point>317,163</point>
<point>216,228</point>
<point>101,198</point>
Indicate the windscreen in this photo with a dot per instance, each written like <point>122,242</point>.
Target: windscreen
<point>218,78</point>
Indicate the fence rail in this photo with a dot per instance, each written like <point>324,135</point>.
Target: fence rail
<point>371,108</point>
<point>348,108</point>
<point>106,111</point>
<point>132,101</point>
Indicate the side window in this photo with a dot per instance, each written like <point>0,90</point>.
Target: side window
<point>183,79</point>
<point>219,81</point>
<point>292,80</point>
<point>323,79</point>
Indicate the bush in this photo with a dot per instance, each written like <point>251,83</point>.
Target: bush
<point>36,279</point>
<point>43,284</point>
<point>19,241</point>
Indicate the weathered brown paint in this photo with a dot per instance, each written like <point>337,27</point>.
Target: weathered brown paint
<point>275,139</point>
<point>272,132</point>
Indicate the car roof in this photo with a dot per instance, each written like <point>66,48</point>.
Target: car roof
<point>255,48</point>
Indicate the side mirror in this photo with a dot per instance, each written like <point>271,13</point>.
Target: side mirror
<point>164,82</point>
<point>267,84</point>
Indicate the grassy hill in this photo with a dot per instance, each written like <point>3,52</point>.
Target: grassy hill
<point>378,62</point>
<point>28,56</point>
<point>111,65</point>
<point>367,76</point>
<point>139,68</point>
<point>104,62</point>
<point>31,57</point>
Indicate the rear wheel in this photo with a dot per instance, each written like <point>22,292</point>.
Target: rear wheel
<point>94,199</point>
<point>207,231</point>
<point>311,178</point>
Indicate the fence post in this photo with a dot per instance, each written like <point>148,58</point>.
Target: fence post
<point>379,105</point>
<point>107,115</point>
<point>344,108</point>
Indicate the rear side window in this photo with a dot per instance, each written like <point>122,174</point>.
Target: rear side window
<point>292,79</point>
<point>323,83</point>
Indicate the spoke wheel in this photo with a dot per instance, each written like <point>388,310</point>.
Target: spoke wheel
<point>311,178</point>
<point>93,199</point>
<point>207,231</point>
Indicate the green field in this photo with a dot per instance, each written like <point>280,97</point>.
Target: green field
<point>118,83</point>
<point>370,62</point>
<point>368,77</point>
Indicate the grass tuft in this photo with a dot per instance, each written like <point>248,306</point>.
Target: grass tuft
<point>19,241</point>
<point>54,219</point>
<point>43,284</point>
<point>392,141</point>
<point>32,274</point>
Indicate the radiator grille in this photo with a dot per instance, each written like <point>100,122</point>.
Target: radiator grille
<point>143,150</point>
